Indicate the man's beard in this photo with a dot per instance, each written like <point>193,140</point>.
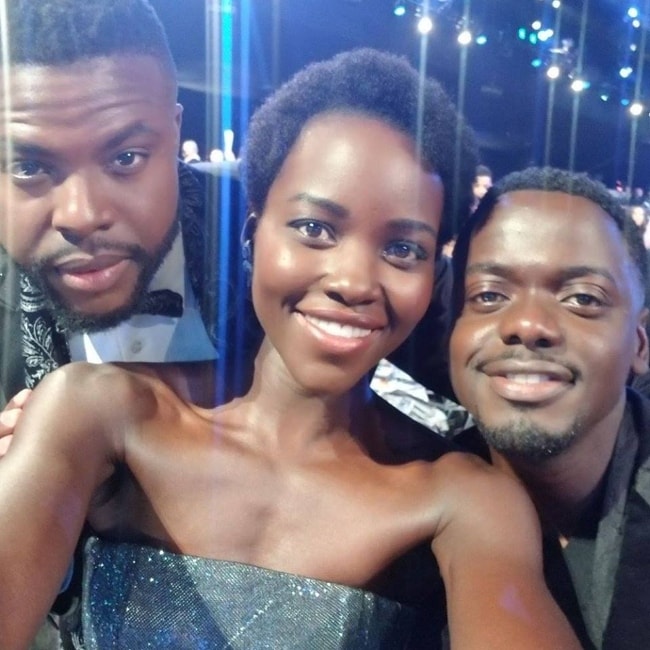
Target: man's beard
<point>528,441</point>
<point>69,320</point>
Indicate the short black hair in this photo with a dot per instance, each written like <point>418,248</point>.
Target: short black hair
<point>61,32</point>
<point>548,179</point>
<point>483,170</point>
<point>368,82</point>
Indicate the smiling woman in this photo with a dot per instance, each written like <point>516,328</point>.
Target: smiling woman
<point>318,518</point>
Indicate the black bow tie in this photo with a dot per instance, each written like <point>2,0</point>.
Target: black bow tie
<point>161,303</point>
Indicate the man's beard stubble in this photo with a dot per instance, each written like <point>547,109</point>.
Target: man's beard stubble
<point>69,320</point>
<point>527,441</point>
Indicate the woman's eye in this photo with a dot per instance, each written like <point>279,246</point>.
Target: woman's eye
<point>405,252</point>
<point>314,230</point>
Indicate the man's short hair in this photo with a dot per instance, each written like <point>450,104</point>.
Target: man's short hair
<point>378,85</point>
<point>60,32</point>
<point>548,179</point>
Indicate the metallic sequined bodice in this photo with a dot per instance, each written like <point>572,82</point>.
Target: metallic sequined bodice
<point>138,597</point>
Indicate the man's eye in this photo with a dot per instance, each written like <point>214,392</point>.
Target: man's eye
<point>129,160</point>
<point>487,298</point>
<point>584,300</point>
<point>26,169</point>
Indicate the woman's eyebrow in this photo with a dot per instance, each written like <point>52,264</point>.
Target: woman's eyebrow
<point>336,209</point>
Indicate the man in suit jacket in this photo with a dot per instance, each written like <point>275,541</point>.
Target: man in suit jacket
<point>109,251</point>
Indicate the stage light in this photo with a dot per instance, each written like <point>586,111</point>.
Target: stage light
<point>625,71</point>
<point>465,37</point>
<point>399,9</point>
<point>636,108</point>
<point>625,101</point>
<point>425,25</point>
<point>636,23</point>
<point>578,85</point>
<point>481,39</point>
<point>633,12</point>
<point>545,35</point>
<point>536,63</point>
<point>522,33</point>
<point>537,25</point>
<point>553,72</point>
<point>556,4</point>
<point>604,97</point>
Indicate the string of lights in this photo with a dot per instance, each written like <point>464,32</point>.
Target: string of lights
<point>553,53</point>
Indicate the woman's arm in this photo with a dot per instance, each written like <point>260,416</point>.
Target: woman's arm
<point>488,547</point>
<point>64,447</point>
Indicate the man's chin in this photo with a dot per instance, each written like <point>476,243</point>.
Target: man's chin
<point>72,321</point>
<point>529,440</point>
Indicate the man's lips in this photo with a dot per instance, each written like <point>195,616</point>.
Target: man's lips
<point>532,382</point>
<point>94,275</point>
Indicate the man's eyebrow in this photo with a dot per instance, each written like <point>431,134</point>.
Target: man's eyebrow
<point>30,150</point>
<point>127,132</point>
<point>24,149</point>
<point>335,209</point>
<point>565,275</point>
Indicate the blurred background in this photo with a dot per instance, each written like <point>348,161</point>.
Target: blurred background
<point>564,82</point>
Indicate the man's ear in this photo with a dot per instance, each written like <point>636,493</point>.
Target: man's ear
<point>178,121</point>
<point>642,355</point>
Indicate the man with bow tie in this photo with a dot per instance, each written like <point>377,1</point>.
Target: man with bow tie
<point>106,253</point>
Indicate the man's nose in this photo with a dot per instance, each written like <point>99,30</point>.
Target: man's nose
<point>78,208</point>
<point>531,321</point>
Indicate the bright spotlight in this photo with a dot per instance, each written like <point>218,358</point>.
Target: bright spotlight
<point>636,108</point>
<point>633,12</point>
<point>481,39</point>
<point>553,72</point>
<point>537,25</point>
<point>636,23</point>
<point>465,37</point>
<point>578,85</point>
<point>425,25</point>
<point>545,35</point>
<point>556,4</point>
<point>625,72</point>
<point>399,9</point>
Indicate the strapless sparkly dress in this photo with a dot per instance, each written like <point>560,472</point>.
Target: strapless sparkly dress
<point>137,597</point>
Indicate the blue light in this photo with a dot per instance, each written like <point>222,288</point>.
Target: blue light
<point>536,63</point>
<point>625,102</point>
<point>481,40</point>
<point>522,33</point>
<point>532,38</point>
<point>399,10</point>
